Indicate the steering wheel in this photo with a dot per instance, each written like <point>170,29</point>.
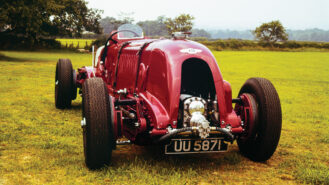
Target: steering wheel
<point>115,41</point>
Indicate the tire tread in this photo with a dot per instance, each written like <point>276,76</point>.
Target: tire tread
<point>63,95</point>
<point>262,147</point>
<point>98,131</point>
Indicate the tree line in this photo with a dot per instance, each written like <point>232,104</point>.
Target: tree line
<point>38,23</point>
<point>39,18</point>
<point>315,34</point>
<point>161,26</point>
<point>158,27</point>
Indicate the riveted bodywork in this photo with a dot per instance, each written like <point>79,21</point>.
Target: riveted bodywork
<point>159,78</point>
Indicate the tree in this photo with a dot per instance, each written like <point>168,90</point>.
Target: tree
<point>182,23</point>
<point>154,27</point>
<point>34,19</point>
<point>271,32</point>
<point>110,23</point>
<point>126,17</point>
<point>200,33</point>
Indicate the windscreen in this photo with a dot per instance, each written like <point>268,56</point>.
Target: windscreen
<point>130,31</point>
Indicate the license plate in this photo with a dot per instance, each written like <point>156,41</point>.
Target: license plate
<point>183,146</point>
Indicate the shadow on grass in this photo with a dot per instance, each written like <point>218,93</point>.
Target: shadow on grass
<point>4,58</point>
<point>76,106</point>
<point>151,156</point>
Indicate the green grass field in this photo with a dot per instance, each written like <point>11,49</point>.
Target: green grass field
<point>40,144</point>
<point>75,42</point>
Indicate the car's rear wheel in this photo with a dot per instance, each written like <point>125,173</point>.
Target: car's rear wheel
<point>264,100</point>
<point>98,137</point>
<point>65,89</point>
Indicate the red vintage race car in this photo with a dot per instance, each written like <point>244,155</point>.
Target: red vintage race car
<point>167,92</point>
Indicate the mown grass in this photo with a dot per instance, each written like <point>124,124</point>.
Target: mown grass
<point>75,43</point>
<point>40,144</point>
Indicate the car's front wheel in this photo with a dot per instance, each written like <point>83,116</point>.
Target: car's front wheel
<point>98,139</point>
<point>263,134</point>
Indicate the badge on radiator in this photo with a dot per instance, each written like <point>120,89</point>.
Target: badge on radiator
<point>190,51</point>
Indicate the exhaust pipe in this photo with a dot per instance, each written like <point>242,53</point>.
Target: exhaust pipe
<point>176,132</point>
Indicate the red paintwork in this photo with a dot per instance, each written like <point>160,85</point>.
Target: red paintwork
<point>159,82</point>
<point>245,113</point>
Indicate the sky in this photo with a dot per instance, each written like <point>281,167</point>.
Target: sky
<point>224,14</point>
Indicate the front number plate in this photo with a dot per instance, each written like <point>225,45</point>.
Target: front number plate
<point>183,146</point>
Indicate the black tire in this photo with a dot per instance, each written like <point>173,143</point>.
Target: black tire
<point>64,85</point>
<point>97,131</point>
<point>261,145</point>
